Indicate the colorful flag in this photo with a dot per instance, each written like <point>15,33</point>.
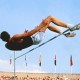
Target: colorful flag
<point>71,61</point>
<point>40,60</point>
<point>55,59</point>
<point>10,60</point>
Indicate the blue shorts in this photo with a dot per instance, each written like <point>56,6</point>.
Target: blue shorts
<point>37,38</point>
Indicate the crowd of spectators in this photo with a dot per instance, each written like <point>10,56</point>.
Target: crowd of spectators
<point>36,78</point>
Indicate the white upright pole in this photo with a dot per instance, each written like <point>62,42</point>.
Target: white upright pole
<point>14,66</point>
<point>71,74</point>
<point>71,69</point>
<point>55,69</point>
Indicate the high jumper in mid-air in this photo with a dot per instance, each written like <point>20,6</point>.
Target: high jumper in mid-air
<point>36,35</point>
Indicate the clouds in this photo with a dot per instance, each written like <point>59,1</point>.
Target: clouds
<point>31,68</point>
<point>4,65</point>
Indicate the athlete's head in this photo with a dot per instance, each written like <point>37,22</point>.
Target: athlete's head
<point>5,36</point>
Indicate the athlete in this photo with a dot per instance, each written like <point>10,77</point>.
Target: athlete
<point>34,36</point>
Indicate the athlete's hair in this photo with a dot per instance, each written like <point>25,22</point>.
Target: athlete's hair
<point>5,36</point>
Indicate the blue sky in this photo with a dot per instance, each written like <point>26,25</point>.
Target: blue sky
<point>18,15</point>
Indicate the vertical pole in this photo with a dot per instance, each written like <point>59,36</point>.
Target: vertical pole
<point>14,66</point>
<point>71,74</point>
<point>71,69</point>
<point>55,69</point>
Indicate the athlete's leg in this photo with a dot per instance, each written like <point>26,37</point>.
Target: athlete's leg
<point>45,24</point>
<point>54,29</point>
<point>59,22</point>
<point>51,28</point>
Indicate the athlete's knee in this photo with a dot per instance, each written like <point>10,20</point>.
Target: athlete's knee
<point>47,20</point>
<point>50,17</point>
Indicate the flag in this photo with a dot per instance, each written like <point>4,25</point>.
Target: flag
<point>71,61</point>
<point>26,64</point>
<point>25,61</point>
<point>25,57</point>
<point>55,59</point>
<point>10,60</point>
<point>40,60</point>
